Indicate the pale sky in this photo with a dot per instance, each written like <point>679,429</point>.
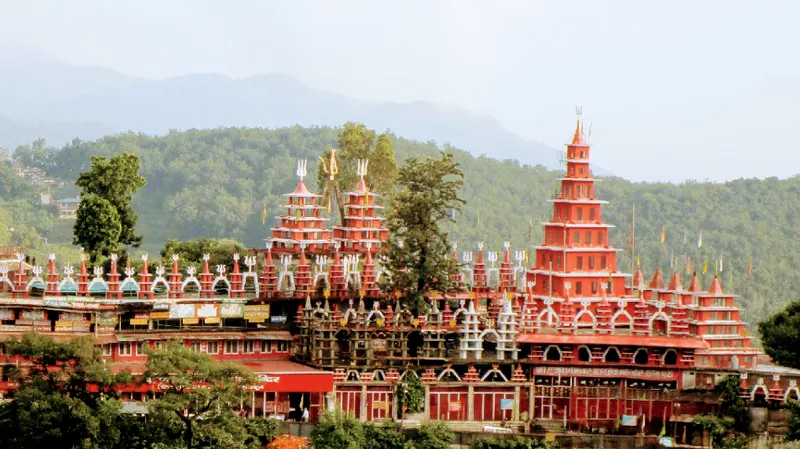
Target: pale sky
<point>675,90</point>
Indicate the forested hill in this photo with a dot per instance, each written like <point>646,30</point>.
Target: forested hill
<point>215,182</point>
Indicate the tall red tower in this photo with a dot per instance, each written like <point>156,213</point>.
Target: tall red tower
<point>575,261</point>
<point>362,226</point>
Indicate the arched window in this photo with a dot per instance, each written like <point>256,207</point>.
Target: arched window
<point>552,353</point>
<point>584,354</point>
<point>670,357</point>
<point>640,356</point>
<point>611,355</point>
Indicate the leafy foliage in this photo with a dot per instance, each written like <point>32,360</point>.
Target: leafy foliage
<point>200,396</point>
<point>730,425</point>
<point>52,407</point>
<point>114,180</point>
<point>191,252</point>
<point>432,435</point>
<point>516,442</point>
<point>97,227</point>
<point>419,250</point>
<point>412,395</point>
<point>793,433</point>
<point>780,336</point>
<point>389,435</point>
<point>356,142</point>
<point>337,431</point>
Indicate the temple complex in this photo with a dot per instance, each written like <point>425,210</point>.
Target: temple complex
<point>568,341</point>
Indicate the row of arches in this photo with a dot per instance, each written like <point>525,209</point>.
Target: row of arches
<point>610,355</point>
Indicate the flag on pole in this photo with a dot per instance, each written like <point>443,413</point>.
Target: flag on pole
<point>700,240</point>
<point>663,234</point>
<point>264,215</point>
<point>672,259</point>
<point>684,237</point>
<point>705,266</point>
<point>638,262</point>
<point>688,266</point>
<point>721,264</point>
<point>750,267</point>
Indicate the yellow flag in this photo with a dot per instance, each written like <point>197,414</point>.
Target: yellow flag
<point>264,215</point>
<point>663,234</point>
<point>638,262</point>
<point>705,266</point>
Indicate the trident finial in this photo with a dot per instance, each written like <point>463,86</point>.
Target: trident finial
<point>578,110</point>
<point>302,168</point>
<point>361,170</point>
<point>331,168</point>
<point>174,257</point>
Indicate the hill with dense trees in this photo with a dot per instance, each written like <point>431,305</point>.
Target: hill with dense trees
<point>214,183</point>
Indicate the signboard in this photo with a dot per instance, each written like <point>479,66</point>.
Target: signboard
<point>212,320</point>
<point>13,328</point>
<point>32,315</point>
<point>256,314</point>
<point>454,407</point>
<point>506,404</point>
<point>381,405</point>
<point>379,346</point>
<point>628,420</point>
<point>159,315</point>
<point>191,321</point>
<point>231,310</point>
<point>57,302</point>
<point>181,311</point>
<point>277,319</point>
<point>140,319</point>
<point>603,372</point>
<point>207,311</point>
<point>80,327</point>
<point>71,316</point>
<point>6,314</point>
<point>63,326</point>
<point>106,318</point>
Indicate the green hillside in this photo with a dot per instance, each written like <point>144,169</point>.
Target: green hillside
<point>214,183</point>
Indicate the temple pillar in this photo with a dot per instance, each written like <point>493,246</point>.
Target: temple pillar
<point>515,410</point>
<point>470,402</point>
<point>428,401</point>
<point>531,404</point>
<point>363,414</point>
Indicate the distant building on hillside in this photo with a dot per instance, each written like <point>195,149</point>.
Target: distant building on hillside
<point>67,207</point>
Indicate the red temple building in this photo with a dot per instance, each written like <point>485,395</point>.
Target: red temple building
<point>362,225</point>
<point>568,341</point>
<point>302,228</point>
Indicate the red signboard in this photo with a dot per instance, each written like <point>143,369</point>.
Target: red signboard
<point>296,383</point>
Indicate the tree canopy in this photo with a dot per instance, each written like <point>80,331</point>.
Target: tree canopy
<point>780,336</point>
<point>113,180</point>
<point>419,250</point>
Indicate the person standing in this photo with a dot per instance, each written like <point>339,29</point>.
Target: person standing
<point>305,415</point>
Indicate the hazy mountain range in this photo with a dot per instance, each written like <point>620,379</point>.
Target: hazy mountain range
<point>43,96</point>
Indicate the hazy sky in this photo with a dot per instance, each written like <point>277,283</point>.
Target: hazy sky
<point>675,90</point>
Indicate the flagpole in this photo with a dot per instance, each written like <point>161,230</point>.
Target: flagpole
<point>633,236</point>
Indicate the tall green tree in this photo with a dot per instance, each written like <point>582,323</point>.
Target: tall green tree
<point>419,250</point>
<point>780,336</point>
<point>356,141</point>
<point>97,227</point>
<point>114,180</point>
<point>200,397</point>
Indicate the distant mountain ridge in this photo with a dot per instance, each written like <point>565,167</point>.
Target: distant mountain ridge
<point>48,98</point>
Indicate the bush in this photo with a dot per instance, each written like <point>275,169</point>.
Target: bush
<point>261,430</point>
<point>432,435</point>
<point>516,442</point>
<point>337,431</point>
<point>388,436</point>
